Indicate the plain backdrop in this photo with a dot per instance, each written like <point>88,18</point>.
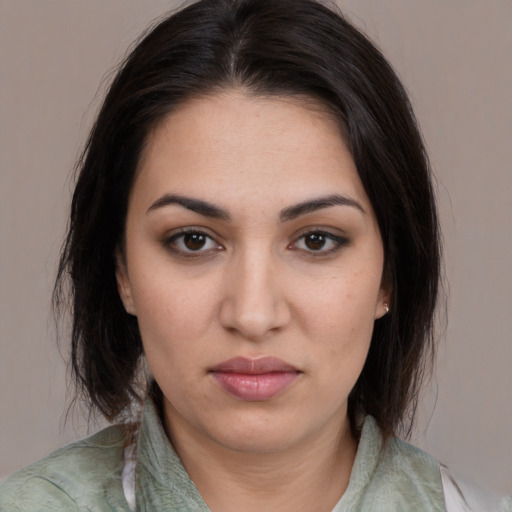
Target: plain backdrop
<point>454,57</point>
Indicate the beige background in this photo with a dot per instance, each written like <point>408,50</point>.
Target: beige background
<point>455,58</point>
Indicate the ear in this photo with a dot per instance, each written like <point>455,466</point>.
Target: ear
<point>383,301</point>
<point>123,284</point>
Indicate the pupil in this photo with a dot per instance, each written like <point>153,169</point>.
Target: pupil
<point>315,241</point>
<point>194,241</point>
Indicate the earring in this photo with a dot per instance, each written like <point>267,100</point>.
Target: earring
<point>386,307</point>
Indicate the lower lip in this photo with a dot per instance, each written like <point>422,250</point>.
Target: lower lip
<point>255,388</point>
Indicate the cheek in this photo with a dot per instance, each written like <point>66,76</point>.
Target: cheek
<point>175,315</point>
<point>346,302</point>
<point>339,318</point>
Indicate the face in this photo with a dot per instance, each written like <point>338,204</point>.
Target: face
<point>253,263</point>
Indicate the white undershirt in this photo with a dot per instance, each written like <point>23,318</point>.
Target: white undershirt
<point>128,476</point>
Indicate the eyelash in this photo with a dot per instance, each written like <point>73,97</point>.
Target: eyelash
<point>172,242</point>
<point>337,240</point>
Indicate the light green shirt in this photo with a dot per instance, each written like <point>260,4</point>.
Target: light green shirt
<point>87,476</point>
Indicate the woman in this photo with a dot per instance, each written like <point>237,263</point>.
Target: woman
<point>253,255</point>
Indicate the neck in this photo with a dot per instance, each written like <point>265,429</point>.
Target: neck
<point>312,475</point>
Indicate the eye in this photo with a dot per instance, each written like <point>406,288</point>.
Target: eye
<point>320,242</point>
<point>191,242</point>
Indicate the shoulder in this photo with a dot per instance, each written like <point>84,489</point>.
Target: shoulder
<point>420,474</point>
<point>464,496</point>
<point>84,473</point>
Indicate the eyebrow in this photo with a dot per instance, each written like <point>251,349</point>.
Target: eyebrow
<point>196,205</point>
<point>291,212</point>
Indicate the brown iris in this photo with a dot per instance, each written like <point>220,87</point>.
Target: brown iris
<point>315,241</point>
<point>194,241</point>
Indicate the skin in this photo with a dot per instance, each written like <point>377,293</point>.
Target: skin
<point>257,284</point>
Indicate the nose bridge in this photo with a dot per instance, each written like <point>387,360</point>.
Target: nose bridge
<point>254,302</point>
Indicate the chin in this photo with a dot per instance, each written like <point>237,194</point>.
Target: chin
<point>257,433</point>
<point>256,442</point>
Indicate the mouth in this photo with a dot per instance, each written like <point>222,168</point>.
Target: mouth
<point>254,380</point>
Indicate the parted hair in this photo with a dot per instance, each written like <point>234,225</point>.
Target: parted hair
<point>295,48</point>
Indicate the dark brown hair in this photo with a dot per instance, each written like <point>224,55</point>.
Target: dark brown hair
<point>265,47</point>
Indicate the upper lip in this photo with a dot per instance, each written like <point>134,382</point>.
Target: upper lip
<point>253,366</point>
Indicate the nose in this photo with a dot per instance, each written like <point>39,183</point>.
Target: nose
<point>254,302</point>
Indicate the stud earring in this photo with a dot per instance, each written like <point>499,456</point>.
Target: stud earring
<point>386,307</point>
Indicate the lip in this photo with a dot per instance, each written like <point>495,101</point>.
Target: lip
<point>257,379</point>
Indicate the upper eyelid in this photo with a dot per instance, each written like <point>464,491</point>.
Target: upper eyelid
<point>189,232</point>
<point>174,233</point>
<point>327,234</point>
<point>328,231</point>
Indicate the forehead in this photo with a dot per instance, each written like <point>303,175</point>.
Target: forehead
<point>233,144</point>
